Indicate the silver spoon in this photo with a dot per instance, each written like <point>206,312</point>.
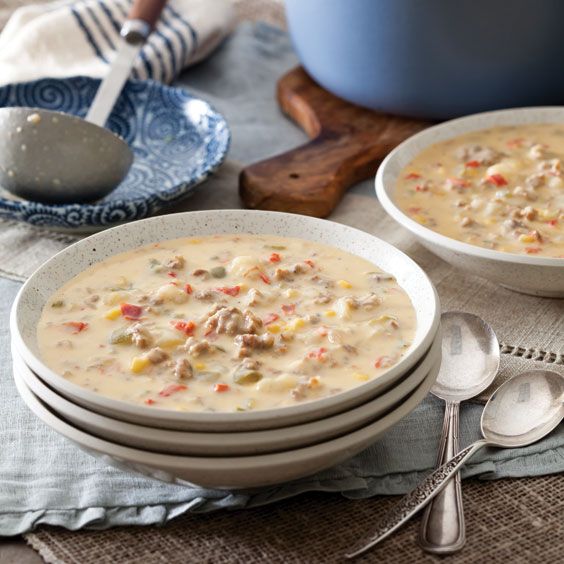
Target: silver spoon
<point>470,361</point>
<point>53,157</point>
<point>520,412</point>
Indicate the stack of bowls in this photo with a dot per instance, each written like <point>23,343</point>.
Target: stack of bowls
<point>229,450</point>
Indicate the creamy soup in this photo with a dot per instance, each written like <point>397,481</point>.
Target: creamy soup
<point>226,323</point>
<point>500,188</point>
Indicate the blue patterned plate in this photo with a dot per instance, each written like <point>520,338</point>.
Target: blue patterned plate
<point>178,141</point>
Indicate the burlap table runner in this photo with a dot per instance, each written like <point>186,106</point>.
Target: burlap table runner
<point>507,520</point>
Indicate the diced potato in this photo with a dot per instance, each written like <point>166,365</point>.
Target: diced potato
<point>240,266</point>
<point>171,293</point>
<point>139,363</point>
<point>343,308</point>
<point>114,298</point>
<point>555,182</point>
<point>169,340</point>
<point>281,383</point>
<point>505,167</point>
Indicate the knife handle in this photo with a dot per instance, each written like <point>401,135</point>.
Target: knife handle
<point>148,11</point>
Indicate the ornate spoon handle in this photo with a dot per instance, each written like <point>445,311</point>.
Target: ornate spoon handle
<point>442,528</point>
<point>417,499</point>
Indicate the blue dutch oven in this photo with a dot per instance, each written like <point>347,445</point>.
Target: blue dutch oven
<point>433,58</point>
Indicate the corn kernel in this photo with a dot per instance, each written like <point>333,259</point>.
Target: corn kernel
<point>314,382</point>
<point>297,323</point>
<point>526,239</point>
<point>113,313</point>
<point>194,241</point>
<point>200,366</point>
<point>273,328</point>
<point>420,219</point>
<point>344,284</point>
<point>292,293</point>
<point>139,363</point>
<point>243,286</point>
<point>360,377</point>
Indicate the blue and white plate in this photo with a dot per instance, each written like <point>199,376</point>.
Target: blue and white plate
<point>178,140</point>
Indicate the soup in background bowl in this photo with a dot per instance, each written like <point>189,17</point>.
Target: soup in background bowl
<point>484,209</point>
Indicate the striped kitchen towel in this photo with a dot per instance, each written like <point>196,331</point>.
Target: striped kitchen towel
<point>79,38</point>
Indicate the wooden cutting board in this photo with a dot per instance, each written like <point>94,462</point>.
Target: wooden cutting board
<point>347,144</point>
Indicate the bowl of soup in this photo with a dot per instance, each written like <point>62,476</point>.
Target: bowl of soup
<point>225,320</point>
<point>486,193</point>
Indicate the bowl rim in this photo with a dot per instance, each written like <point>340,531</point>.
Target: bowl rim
<point>384,191</point>
<point>292,456</point>
<point>247,438</point>
<point>222,418</point>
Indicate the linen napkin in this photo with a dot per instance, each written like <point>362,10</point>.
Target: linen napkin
<point>79,38</point>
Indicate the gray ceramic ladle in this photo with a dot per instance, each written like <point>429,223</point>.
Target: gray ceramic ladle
<point>53,157</point>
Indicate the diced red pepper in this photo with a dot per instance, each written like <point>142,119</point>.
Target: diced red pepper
<point>221,388</point>
<point>532,250</point>
<point>172,389</point>
<point>289,309</point>
<point>264,278</point>
<point>412,176</point>
<point>131,311</point>
<point>496,179</point>
<point>317,354</point>
<point>275,257</point>
<point>553,222</point>
<point>515,143</point>
<point>186,327</point>
<point>172,274</point>
<point>459,182</point>
<point>230,290</point>
<point>188,288</point>
<point>382,361</point>
<point>271,318</point>
<point>77,326</point>
<point>150,401</point>
<point>472,164</point>
<point>309,262</point>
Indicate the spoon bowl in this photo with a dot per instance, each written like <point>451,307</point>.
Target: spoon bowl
<point>53,157</point>
<point>524,410</point>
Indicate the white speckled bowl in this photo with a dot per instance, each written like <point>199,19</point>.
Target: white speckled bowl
<point>227,472</point>
<point>230,444</point>
<point>57,271</point>
<point>540,276</point>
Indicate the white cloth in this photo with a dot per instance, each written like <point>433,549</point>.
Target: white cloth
<point>79,38</point>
